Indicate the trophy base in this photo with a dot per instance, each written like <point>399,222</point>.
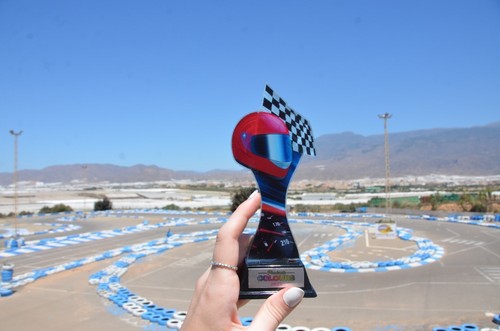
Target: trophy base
<point>259,279</point>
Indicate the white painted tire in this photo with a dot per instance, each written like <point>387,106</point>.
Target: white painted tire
<point>174,324</point>
<point>180,315</point>
<point>130,306</point>
<point>139,312</point>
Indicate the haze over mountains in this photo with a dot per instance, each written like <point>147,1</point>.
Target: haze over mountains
<point>471,151</point>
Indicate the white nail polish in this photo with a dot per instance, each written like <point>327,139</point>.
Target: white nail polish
<point>254,193</point>
<point>293,296</point>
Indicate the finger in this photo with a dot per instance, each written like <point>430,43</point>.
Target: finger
<point>276,308</point>
<point>226,244</point>
<point>244,242</point>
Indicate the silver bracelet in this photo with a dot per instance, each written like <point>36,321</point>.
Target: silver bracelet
<point>224,265</point>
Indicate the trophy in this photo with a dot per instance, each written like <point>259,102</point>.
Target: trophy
<point>270,143</point>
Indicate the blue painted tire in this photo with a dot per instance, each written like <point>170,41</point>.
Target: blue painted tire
<point>163,320</point>
<point>246,321</point>
<point>148,316</point>
<point>7,275</point>
<point>5,292</point>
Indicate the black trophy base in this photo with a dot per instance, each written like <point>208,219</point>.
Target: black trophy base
<point>259,279</point>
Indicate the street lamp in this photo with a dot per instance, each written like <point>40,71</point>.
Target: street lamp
<point>16,136</point>
<point>385,117</point>
<point>84,167</point>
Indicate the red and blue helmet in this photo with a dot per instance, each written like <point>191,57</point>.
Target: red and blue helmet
<point>261,141</point>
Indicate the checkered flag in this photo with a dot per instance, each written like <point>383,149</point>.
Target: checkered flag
<point>300,130</point>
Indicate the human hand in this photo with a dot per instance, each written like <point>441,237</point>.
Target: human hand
<point>215,303</point>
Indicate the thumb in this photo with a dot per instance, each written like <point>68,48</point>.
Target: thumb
<point>276,308</point>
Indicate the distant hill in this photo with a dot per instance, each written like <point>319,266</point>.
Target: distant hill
<point>460,151</point>
<point>94,173</point>
<point>471,151</point>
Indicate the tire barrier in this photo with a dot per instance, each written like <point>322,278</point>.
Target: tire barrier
<point>7,272</point>
<point>457,219</point>
<point>487,220</point>
<point>120,266</point>
<point>496,319</point>
<point>58,229</point>
<point>317,258</point>
<point>46,214</point>
<point>108,279</point>
<point>51,243</point>
<point>470,327</point>
<point>464,327</point>
<point>14,243</point>
<point>6,284</point>
<point>108,286</point>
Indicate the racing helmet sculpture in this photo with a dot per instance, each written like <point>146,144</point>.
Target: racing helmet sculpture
<point>261,142</point>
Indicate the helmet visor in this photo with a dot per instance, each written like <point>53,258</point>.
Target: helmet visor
<point>275,147</point>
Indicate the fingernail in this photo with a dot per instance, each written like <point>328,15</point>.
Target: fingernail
<point>293,296</point>
<point>254,193</point>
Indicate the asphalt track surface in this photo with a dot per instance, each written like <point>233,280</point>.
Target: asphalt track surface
<point>459,288</point>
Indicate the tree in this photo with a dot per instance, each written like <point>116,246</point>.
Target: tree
<point>486,198</point>
<point>104,204</point>
<point>465,201</point>
<point>239,196</point>
<point>436,200</point>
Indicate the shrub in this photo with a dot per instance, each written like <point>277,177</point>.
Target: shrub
<point>171,206</point>
<point>26,213</point>
<point>478,208</point>
<point>59,208</point>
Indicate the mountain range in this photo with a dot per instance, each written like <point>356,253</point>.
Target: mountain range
<point>470,151</point>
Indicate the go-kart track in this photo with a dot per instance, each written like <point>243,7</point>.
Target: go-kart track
<point>136,270</point>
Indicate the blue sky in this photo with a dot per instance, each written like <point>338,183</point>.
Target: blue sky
<point>165,82</point>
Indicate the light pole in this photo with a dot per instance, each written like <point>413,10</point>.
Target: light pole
<point>385,117</point>
<point>16,136</point>
<point>84,167</point>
